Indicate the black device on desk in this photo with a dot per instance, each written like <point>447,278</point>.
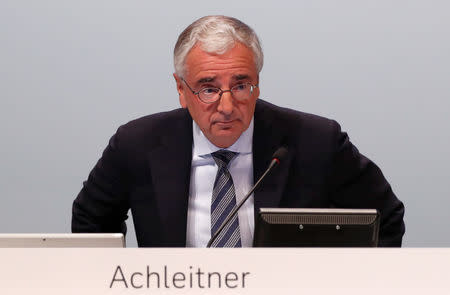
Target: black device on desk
<point>304,227</point>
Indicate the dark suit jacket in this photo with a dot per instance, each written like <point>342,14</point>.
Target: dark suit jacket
<point>147,166</point>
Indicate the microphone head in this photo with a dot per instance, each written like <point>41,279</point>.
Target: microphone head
<point>280,153</point>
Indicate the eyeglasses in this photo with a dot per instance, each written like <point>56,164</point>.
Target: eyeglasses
<point>240,92</point>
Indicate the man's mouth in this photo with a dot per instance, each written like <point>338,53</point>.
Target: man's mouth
<point>225,124</point>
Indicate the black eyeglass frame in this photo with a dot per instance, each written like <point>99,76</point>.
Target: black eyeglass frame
<point>221,91</point>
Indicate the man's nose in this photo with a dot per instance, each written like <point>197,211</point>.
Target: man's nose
<point>226,103</point>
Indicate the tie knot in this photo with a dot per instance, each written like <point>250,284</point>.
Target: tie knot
<point>223,157</point>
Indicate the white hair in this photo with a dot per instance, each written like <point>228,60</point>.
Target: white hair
<point>216,34</point>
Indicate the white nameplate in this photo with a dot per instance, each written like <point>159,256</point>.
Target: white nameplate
<point>225,271</point>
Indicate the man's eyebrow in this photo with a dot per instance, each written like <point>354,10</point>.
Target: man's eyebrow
<point>206,80</point>
<point>241,77</point>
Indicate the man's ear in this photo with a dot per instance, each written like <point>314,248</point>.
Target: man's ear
<point>257,88</point>
<point>180,89</point>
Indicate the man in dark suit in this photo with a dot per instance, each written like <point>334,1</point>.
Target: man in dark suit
<point>182,171</point>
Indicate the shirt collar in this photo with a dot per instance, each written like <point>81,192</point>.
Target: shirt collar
<point>202,146</point>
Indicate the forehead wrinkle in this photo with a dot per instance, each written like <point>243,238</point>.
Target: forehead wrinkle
<point>211,63</point>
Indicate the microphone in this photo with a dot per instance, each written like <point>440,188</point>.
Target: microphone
<point>279,154</point>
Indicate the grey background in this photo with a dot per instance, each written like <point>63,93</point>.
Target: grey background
<point>71,72</point>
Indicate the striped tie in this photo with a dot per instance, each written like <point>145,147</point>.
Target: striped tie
<point>223,202</point>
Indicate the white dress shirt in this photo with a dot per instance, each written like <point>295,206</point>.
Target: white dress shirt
<point>203,174</point>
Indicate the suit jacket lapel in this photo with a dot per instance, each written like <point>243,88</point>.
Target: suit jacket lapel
<point>170,163</point>
<point>268,136</point>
